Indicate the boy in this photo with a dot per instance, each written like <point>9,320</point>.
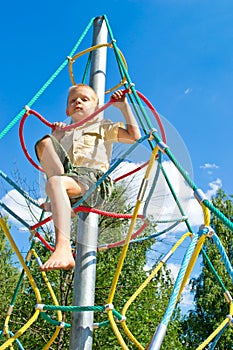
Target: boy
<point>74,160</point>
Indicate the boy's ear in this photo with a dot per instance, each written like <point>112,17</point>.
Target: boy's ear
<point>67,112</point>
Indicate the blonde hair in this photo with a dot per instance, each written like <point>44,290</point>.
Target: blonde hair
<point>73,87</point>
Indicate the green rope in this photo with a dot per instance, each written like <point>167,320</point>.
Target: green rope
<point>54,322</point>
<point>175,197</point>
<point>87,68</point>
<point>218,213</point>
<point>73,308</point>
<point>44,87</point>
<point>124,72</point>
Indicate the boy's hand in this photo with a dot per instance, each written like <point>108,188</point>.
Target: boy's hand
<point>57,131</point>
<point>120,97</point>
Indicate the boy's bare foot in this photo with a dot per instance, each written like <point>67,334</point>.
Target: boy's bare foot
<point>59,260</point>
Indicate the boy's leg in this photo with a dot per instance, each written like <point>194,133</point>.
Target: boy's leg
<point>49,158</point>
<point>59,188</point>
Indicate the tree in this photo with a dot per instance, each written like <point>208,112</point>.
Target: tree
<point>211,307</point>
<point>146,311</point>
<point>142,317</point>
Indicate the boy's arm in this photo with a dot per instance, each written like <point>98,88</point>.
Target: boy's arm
<point>132,132</point>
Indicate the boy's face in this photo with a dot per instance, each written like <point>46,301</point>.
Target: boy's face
<point>82,101</point>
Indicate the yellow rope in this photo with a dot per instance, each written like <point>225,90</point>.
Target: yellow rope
<point>32,282</point>
<point>191,263</point>
<point>206,217</point>
<point>21,331</point>
<point>130,230</point>
<point>217,330</point>
<point>55,301</point>
<point>95,47</point>
<point>206,214</point>
<point>127,241</point>
<point>131,336</point>
<point>143,286</point>
<point>116,331</point>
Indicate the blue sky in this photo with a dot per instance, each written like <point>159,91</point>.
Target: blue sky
<point>179,54</point>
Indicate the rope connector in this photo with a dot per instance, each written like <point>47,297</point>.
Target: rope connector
<point>228,296</point>
<point>122,319</point>
<point>62,325</point>
<point>10,309</point>
<point>151,137</point>
<point>199,195</point>
<point>162,146</point>
<point>39,306</point>
<point>69,58</point>
<point>209,230</point>
<point>27,109</point>
<point>131,84</point>
<point>108,307</point>
<point>230,319</point>
<point>113,40</point>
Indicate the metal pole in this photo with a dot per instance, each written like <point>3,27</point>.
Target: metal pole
<point>81,337</point>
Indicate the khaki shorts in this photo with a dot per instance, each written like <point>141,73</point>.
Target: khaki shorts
<point>86,176</point>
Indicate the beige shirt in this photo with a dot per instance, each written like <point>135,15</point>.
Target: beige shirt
<point>90,145</point>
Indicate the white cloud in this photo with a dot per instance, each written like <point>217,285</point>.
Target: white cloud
<point>214,187</point>
<point>209,166</point>
<point>174,268</point>
<point>18,205</point>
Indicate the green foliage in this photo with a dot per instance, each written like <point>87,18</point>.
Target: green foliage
<point>211,307</point>
<point>144,314</point>
<point>146,311</point>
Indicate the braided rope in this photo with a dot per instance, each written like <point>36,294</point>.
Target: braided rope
<point>44,87</point>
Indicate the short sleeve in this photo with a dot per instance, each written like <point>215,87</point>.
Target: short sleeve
<point>111,131</point>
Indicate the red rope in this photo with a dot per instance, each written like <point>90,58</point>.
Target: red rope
<point>89,210</point>
<point>68,127</point>
<point>82,208</point>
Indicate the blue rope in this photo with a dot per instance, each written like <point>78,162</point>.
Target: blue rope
<point>21,191</point>
<point>20,346</point>
<point>224,255</point>
<point>156,234</point>
<point>218,336</point>
<point>14,215</point>
<point>176,289</point>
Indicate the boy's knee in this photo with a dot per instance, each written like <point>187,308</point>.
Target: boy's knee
<point>40,146</point>
<point>53,182</point>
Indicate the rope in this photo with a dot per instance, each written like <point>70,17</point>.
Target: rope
<point>44,87</point>
<point>218,330</point>
<point>224,256</point>
<point>125,248</point>
<point>20,190</point>
<point>49,124</point>
<point>55,301</point>
<point>147,281</point>
<point>32,282</point>
<point>172,302</point>
<point>191,254</point>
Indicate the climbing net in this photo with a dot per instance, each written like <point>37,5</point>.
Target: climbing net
<point>152,172</point>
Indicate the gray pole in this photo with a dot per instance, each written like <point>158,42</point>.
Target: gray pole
<point>85,271</point>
